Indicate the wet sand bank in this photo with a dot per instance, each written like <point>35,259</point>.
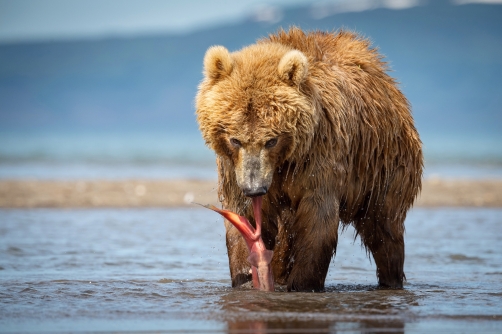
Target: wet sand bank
<point>181,193</point>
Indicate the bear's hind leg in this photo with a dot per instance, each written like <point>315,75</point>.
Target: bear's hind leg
<point>385,240</point>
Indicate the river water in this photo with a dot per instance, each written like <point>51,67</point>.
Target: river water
<point>165,270</point>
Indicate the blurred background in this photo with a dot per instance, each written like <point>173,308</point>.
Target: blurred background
<point>105,88</point>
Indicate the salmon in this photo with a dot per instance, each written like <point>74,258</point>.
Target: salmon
<point>259,256</point>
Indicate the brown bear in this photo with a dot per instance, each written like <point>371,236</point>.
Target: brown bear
<point>314,124</point>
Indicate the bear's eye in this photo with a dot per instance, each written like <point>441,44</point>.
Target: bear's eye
<point>235,142</point>
<point>271,143</point>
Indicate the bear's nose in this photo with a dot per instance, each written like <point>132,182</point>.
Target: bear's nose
<point>253,192</point>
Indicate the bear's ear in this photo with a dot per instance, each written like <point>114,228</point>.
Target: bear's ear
<point>217,63</point>
<point>293,67</point>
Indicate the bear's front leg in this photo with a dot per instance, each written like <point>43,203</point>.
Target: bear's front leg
<point>314,235</point>
<point>237,256</point>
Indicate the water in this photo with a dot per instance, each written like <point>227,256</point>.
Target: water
<point>117,155</point>
<point>165,270</point>
<point>171,155</point>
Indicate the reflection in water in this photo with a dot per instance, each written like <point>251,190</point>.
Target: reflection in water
<point>315,326</point>
<point>361,308</point>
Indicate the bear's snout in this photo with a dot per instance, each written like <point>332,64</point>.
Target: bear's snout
<point>253,173</point>
<point>254,192</point>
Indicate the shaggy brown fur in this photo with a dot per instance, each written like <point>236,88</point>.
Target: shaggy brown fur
<point>332,133</point>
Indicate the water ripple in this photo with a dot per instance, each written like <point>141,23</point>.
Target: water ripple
<point>93,268</point>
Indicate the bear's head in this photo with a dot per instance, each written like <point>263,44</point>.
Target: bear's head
<point>255,110</point>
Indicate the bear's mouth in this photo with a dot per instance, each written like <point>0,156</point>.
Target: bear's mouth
<point>259,256</point>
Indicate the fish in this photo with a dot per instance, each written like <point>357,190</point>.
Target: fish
<point>259,256</point>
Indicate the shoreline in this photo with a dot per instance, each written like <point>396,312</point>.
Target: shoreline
<point>181,193</point>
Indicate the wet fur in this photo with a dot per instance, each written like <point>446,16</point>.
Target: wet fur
<point>348,151</point>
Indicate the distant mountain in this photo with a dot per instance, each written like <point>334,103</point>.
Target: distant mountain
<point>448,59</point>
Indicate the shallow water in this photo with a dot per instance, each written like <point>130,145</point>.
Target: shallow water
<point>166,271</point>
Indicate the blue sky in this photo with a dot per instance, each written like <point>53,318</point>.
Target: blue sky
<point>67,19</point>
<point>42,19</point>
